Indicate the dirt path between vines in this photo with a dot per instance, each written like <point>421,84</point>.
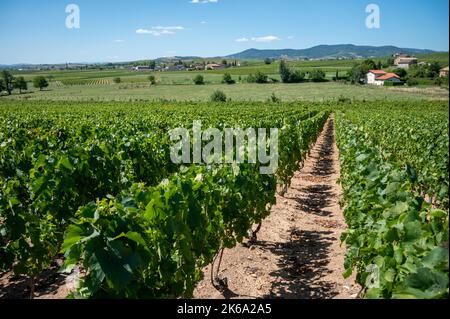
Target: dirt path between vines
<point>298,253</point>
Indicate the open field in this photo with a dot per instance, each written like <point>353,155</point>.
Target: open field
<point>76,77</point>
<point>212,76</point>
<point>237,92</point>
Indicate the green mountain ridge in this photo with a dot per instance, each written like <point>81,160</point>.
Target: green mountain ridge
<point>328,51</point>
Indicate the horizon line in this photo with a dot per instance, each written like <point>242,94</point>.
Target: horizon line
<point>220,56</point>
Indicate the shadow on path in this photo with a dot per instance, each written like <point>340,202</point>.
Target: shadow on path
<point>303,261</point>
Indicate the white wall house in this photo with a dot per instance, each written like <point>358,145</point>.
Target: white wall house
<point>373,75</point>
<point>379,77</point>
<point>214,66</point>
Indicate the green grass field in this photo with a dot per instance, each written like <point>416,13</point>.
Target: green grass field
<point>77,77</point>
<point>237,92</point>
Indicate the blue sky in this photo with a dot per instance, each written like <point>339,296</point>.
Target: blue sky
<point>114,30</point>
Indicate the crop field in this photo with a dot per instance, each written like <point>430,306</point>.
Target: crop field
<point>76,77</point>
<point>127,92</point>
<point>93,184</point>
<point>395,179</point>
<point>247,68</point>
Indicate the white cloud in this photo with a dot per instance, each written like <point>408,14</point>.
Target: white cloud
<point>290,37</point>
<point>203,22</point>
<point>168,28</point>
<point>159,30</point>
<point>145,31</point>
<point>118,41</point>
<point>266,39</point>
<point>203,1</point>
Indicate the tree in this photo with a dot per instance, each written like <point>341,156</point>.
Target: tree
<point>434,70</point>
<point>117,80</point>
<point>369,64</point>
<point>258,77</point>
<point>441,81</point>
<point>268,61</point>
<point>152,79</point>
<point>412,82</point>
<point>152,64</point>
<point>379,65</point>
<point>8,82</point>
<point>40,82</point>
<point>400,72</point>
<point>21,84</point>
<point>225,62</point>
<point>228,79</point>
<point>218,96</point>
<point>317,75</point>
<point>261,77</point>
<point>2,86</point>
<point>199,80</point>
<point>390,62</point>
<point>357,74</point>
<point>285,73</point>
<point>425,71</point>
<point>417,71</point>
<point>296,76</point>
<point>289,76</point>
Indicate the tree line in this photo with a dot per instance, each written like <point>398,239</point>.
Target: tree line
<point>8,83</point>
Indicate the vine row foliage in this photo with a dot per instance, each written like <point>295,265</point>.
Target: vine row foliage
<point>394,172</point>
<point>95,181</point>
<point>59,158</point>
<point>154,241</point>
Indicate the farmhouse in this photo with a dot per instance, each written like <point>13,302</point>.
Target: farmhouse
<point>405,62</point>
<point>379,77</point>
<point>196,67</point>
<point>443,72</point>
<point>141,68</point>
<point>175,68</point>
<point>214,66</point>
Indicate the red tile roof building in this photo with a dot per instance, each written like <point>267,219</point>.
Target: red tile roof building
<point>378,77</point>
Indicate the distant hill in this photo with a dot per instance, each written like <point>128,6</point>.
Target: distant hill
<point>327,51</point>
<point>172,58</point>
<point>15,66</point>
<point>342,51</point>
